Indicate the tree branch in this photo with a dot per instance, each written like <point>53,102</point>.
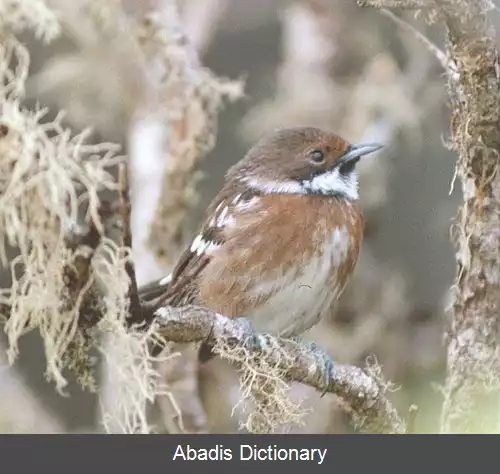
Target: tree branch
<point>362,391</point>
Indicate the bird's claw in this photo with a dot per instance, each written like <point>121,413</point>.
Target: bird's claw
<point>252,340</point>
<point>324,364</point>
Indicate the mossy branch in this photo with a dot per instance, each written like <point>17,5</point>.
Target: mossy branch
<point>361,390</point>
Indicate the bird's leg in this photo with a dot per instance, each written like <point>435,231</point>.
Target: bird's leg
<point>323,360</point>
<point>256,342</point>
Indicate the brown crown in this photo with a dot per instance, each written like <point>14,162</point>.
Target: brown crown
<point>287,154</point>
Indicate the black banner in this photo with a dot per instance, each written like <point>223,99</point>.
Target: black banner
<point>90,454</point>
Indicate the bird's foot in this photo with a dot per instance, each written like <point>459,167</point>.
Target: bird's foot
<point>252,339</point>
<point>324,363</point>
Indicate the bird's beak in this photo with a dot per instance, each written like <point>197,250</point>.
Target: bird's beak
<point>354,152</point>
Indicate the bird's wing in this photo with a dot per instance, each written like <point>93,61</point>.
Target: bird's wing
<point>180,286</point>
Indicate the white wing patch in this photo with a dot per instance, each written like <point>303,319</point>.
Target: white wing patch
<point>236,199</point>
<point>166,280</point>
<point>222,217</point>
<point>246,204</point>
<point>201,246</point>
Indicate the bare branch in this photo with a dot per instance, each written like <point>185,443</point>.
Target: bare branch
<point>136,313</point>
<point>363,392</point>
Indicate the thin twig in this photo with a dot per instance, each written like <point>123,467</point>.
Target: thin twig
<point>135,313</point>
<point>438,53</point>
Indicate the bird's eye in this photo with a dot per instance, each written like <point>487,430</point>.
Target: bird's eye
<point>317,157</point>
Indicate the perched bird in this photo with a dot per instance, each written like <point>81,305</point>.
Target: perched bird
<point>280,240</point>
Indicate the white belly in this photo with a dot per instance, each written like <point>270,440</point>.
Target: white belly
<point>304,294</point>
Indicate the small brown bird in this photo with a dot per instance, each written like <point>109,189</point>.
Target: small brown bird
<point>281,238</point>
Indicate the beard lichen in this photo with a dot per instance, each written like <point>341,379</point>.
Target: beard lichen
<point>265,400</point>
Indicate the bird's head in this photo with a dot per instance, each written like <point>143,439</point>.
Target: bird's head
<point>302,160</point>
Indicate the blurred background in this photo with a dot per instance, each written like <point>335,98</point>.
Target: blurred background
<point>326,63</point>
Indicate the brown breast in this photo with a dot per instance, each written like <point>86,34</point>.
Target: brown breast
<point>269,236</point>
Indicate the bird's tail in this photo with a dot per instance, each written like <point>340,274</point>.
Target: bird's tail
<point>152,291</point>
